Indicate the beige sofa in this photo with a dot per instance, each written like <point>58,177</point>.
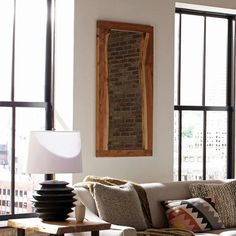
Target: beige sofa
<point>156,193</point>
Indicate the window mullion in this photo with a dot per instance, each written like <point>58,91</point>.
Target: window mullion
<point>180,146</point>
<point>229,100</point>
<point>204,102</point>
<point>178,102</point>
<point>204,143</point>
<point>179,60</point>
<point>49,68</point>
<point>204,66</point>
<point>13,159</point>
<point>49,64</point>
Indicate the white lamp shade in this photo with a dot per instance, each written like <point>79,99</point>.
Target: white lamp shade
<point>52,152</point>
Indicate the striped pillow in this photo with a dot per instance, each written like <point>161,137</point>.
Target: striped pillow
<point>195,214</point>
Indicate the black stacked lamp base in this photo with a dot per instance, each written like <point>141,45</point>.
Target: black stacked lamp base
<point>54,201</point>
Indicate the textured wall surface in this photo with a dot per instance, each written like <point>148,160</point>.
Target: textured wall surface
<point>125,111</point>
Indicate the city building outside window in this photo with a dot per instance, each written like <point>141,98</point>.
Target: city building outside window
<point>204,93</point>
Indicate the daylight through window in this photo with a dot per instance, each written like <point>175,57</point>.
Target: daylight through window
<point>203,127</point>
<point>27,71</point>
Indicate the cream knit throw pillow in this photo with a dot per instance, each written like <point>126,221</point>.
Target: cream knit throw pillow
<point>119,205</point>
<point>224,196</point>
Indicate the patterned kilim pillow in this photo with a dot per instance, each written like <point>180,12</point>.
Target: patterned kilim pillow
<point>224,195</point>
<point>195,214</point>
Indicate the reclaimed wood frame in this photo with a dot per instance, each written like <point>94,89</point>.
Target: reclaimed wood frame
<point>102,99</point>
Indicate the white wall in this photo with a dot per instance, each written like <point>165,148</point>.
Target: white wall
<point>159,14</point>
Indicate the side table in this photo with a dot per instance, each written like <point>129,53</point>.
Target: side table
<point>56,228</point>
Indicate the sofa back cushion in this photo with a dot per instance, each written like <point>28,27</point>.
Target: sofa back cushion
<point>158,192</point>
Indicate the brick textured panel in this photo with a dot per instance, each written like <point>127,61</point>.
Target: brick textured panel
<point>125,111</point>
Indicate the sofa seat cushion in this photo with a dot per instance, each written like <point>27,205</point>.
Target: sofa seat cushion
<point>195,214</point>
<point>221,232</point>
<point>224,196</point>
<point>119,205</point>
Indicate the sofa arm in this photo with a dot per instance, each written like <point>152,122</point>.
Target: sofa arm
<point>121,231</point>
<point>115,230</point>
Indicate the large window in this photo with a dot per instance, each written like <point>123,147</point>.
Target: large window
<point>25,95</point>
<point>32,53</point>
<point>204,96</point>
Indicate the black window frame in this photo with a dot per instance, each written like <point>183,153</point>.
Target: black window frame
<point>47,104</point>
<point>230,92</point>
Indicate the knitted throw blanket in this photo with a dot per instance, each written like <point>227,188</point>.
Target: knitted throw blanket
<point>165,232</point>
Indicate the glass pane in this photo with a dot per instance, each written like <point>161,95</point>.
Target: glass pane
<point>30,50</point>
<point>216,60</point>
<point>176,144</point>
<point>6,29</point>
<point>216,150</point>
<point>192,59</point>
<point>177,16</point>
<point>192,145</point>
<point>27,119</point>
<point>5,160</point>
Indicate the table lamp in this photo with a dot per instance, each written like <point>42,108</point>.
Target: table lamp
<point>52,152</point>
